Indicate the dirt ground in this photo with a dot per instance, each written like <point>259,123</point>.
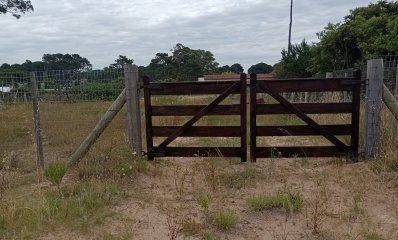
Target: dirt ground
<point>341,201</point>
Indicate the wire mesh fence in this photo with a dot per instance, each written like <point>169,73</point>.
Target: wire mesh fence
<point>71,103</point>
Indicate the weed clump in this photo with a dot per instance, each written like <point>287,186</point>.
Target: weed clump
<point>55,172</point>
<point>288,201</point>
<point>224,220</point>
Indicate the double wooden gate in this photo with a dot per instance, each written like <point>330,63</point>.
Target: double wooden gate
<point>274,88</point>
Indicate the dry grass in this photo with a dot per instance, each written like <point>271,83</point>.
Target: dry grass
<point>189,197</point>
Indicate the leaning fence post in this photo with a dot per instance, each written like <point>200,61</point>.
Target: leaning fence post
<point>36,118</point>
<point>374,92</point>
<point>99,128</point>
<point>133,107</point>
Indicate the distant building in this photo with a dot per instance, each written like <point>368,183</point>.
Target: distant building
<point>5,89</point>
<point>229,77</point>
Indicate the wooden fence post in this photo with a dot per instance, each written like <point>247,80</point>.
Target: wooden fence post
<point>396,99</point>
<point>133,107</point>
<point>36,118</point>
<point>374,92</point>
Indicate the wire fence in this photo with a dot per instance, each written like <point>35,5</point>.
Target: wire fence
<point>71,103</point>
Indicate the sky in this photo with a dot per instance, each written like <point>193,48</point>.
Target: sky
<point>235,31</point>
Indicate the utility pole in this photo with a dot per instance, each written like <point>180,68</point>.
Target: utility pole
<point>290,28</point>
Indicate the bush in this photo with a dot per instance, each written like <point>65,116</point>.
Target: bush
<point>55,172</point>
<point>106,91</point>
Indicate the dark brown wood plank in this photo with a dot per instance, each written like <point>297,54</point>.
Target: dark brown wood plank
<point>148,116</point>
<point>243,118</point>
<point>191,88</point>
<point>288,152</point>
<point>301,130</point>
<point>198,152</point>
<point>199,131</point>
<point>356,105</point>
<point>253,114</point>
<point>190,110</point>
<point>307,108</point>
<point>266,88</point>
<point>309,85</point>
<point>199,115</point>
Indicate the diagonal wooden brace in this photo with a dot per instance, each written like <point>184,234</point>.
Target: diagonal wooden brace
<point>304,117</point>
<point>199,115</point>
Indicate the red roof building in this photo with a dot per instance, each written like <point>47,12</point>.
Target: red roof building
<point>226,77</point>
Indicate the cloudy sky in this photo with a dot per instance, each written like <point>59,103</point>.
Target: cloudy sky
<point>243,31</point>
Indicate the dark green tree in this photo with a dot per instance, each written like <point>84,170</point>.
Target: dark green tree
<point>184,64</point>
<point>119,63</point>
<point>260,68</point>
<point>366,32</point>
<point>295,64</point>
<point>236,68</point>
<point>61,61</point>
<point>15,7</point>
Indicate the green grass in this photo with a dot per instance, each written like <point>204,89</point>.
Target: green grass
<point>239,179</point>
<point>288,201</point>
<point>372,236</point>
<point>79,207</point>
<point>203,201</point>
<point>55,172</point>
<point>224,220</point>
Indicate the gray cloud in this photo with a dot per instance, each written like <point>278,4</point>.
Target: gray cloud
<point>246,32</point>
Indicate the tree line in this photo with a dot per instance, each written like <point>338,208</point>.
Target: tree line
<point>366,32</point>
<point>182,64</point>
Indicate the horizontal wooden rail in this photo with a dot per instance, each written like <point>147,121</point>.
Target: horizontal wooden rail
<point>309,85</point>
<point>198,131</point>
<point>190,110</point>
<point>302,130</point>
<point>190,88</point>
<point>198,152</point>
<point>288,152</point>
<point>307,108</point>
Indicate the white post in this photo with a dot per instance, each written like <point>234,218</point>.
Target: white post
<point>131,78</point>
<point>374,95</point>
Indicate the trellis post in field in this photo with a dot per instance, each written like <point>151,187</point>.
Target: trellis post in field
<point>374,96</point>
<point>36,118</point>
<point>131,78</point>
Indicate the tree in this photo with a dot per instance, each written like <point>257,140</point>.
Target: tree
<point>260,68</point>
<point>236,68</point>
<point>119,63</point>
<point>366,32</point>
<point>184,64</point>
<point>295,64</point>
<point>61,61</point>
<point>15,7</point>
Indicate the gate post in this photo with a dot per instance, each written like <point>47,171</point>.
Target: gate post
<point>243,118</point>
<point>356,105</point>
<point>373,105</point>
<point>253,115</point>
<point>133,107</point>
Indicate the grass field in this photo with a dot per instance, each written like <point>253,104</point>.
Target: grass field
<point>114,194</point>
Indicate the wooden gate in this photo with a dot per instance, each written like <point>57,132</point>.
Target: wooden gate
<point>223,89</point>
<point>274,88</point>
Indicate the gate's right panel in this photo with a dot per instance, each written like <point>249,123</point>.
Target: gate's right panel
<point>304,117</point>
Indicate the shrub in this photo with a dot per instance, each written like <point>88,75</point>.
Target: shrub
<point>55,172</point>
